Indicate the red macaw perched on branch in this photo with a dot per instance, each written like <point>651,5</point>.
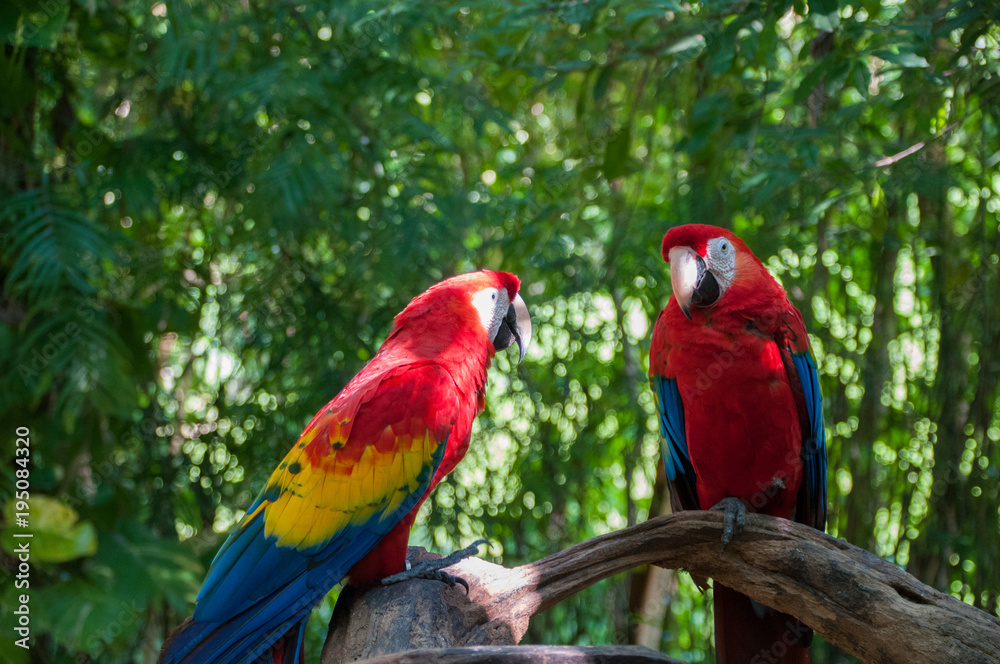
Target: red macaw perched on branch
<point>343,500</point>
<point>741,415</point>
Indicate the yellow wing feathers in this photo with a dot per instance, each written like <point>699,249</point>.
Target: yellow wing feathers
<point>321,491</point>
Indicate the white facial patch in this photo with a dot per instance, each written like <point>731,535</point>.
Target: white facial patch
<point>721,260</point>
<point>492,304</point>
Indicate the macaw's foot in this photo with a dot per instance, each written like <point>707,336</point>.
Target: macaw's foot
<point>434,569</point>
<point>734,519</point>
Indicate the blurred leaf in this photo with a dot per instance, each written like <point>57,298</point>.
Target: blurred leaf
<point>603,81</point>
<point>618,160</point>
<point>825,14</point>
<point>811,80</point>
<point>83,616</point>
<point>902,58</point>
<point>18,85</point>
<point>686,45</point>
<point>861,78</point>
<point>56,534</point>
<point>39,26</point>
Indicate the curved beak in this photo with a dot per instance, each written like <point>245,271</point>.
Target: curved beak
<point>685,269</point>
<point>515,327</point>
<point>692,281</point>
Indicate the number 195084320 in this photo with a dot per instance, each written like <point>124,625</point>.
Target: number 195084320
<point>22,471</point>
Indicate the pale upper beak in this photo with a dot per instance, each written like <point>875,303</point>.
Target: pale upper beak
<point>515,327</point>
<point>686,271</point>
<point>694,283</point>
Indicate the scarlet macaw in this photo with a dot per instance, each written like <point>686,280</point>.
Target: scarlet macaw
<point>343,500</point>
<point>741,415</point>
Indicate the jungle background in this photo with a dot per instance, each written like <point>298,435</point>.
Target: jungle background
<point>212,210</point>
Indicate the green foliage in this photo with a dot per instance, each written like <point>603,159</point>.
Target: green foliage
<point>56,535</point>
<point>211,212</point>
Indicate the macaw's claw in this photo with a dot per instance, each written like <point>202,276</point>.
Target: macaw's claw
<point>734,519</point>
<point>420,572</point>
<point>434,569</point>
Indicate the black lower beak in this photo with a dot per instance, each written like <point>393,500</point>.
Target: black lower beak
<point>514,327</point>
<point>507,334</point>
<point>706,290</point>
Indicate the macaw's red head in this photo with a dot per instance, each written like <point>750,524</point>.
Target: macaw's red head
<point>707,262</point>
<point>483,306</point>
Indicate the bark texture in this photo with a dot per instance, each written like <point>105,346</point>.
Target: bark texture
<point>856,600</point>
<point>416,615</point>
<point>529,655</point>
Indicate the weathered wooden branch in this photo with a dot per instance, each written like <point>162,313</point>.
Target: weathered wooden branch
<point>856,600</point>
<point>529,655</point>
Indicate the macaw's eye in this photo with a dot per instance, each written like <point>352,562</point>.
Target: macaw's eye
<point>494,296</point>
<point>724,248</point>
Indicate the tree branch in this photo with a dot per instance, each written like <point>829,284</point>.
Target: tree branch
<point>529,655</point>
<point>856,600</point>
